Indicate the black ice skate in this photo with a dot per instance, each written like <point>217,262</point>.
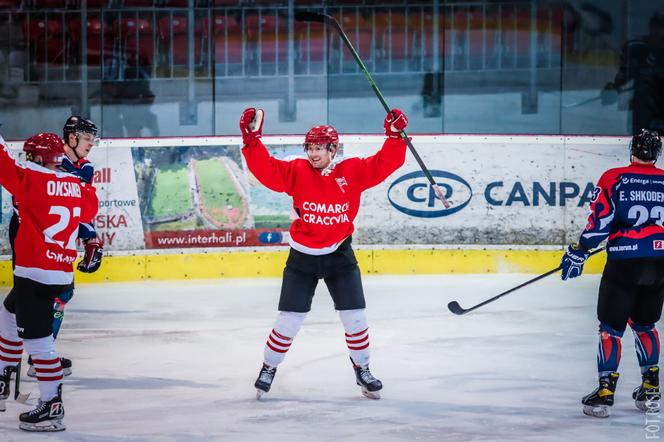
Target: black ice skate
<point>368,383</point>
<point>264,381</point>
<point>66,367</point>
<point>597,403</point>
<point>47,417</point>
<point>646,395</point>
<point>5,382</point>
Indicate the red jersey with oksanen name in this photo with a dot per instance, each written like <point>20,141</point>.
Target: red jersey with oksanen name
<point>326,201</point>
<point>51,206</point>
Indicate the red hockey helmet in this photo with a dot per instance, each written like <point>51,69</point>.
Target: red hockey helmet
<point>44,148</point>
<point>322,135</point>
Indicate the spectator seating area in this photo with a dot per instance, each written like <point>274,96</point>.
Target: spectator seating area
<point>124,38</point>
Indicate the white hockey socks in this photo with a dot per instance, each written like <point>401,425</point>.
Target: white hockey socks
<point>281,337</point>
<point>357,335</point>
<point>47,365</point>
<point>11,346</point>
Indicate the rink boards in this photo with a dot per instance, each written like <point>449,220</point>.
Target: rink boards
<point>182,208</point>
<point>270,263</point>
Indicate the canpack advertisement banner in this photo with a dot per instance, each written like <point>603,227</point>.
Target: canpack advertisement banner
<point>503,190</point>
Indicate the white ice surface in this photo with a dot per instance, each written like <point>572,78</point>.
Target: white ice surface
<point>176,361</point>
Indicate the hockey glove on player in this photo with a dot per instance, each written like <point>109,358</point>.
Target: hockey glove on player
<point>572,262</point>
<point>394,123</point>
<point>91,261</point>
<point>251,124</point>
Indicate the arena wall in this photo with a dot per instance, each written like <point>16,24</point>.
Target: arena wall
<point>516,200</point>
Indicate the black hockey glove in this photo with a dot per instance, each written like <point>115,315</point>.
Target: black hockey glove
<point>91,261</point>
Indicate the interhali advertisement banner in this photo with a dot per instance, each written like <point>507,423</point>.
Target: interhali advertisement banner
<point>194,196</point>
<point>183,193</point>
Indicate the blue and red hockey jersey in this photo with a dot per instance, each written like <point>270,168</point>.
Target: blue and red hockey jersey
<point>82,168</point>
<point>628,209</point>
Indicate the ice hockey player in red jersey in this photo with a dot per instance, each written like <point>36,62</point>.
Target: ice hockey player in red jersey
<point>627,209</point>
<point>51,204</point>
<point>326,197</point>
<point>80,136</point>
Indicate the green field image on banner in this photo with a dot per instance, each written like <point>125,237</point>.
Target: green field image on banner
<point>191,188</point>
<point>222,201</point>
<point>171,200</point>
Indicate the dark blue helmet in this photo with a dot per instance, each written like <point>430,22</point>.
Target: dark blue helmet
<point>76,124</point>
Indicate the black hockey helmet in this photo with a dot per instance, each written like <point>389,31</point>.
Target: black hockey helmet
<point>77,124</point>
<point>646,145</point>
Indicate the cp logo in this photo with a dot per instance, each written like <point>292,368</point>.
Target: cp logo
<point>413,195</point>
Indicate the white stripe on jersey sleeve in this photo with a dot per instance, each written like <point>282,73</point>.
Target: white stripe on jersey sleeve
<point>52,277</point>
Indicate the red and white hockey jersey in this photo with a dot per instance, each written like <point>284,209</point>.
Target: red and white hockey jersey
<point>51,206</point>
<point>325,203</point>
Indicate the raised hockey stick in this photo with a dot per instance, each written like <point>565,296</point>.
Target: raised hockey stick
<point>308,16</point>
<point>458,310</point>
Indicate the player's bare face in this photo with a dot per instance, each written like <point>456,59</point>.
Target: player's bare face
<point>85,144</point>
<point>319,155</point>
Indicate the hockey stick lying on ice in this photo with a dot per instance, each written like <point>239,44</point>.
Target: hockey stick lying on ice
<point>308,16</point>
<point>458,310</point>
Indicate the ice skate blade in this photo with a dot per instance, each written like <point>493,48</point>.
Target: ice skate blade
<point>259,394</point>
<point>43,427</point>
<point>596,411</point>
<point>371,394</point>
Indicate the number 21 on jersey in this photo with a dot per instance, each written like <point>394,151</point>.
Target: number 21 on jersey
<point>65,217</point>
